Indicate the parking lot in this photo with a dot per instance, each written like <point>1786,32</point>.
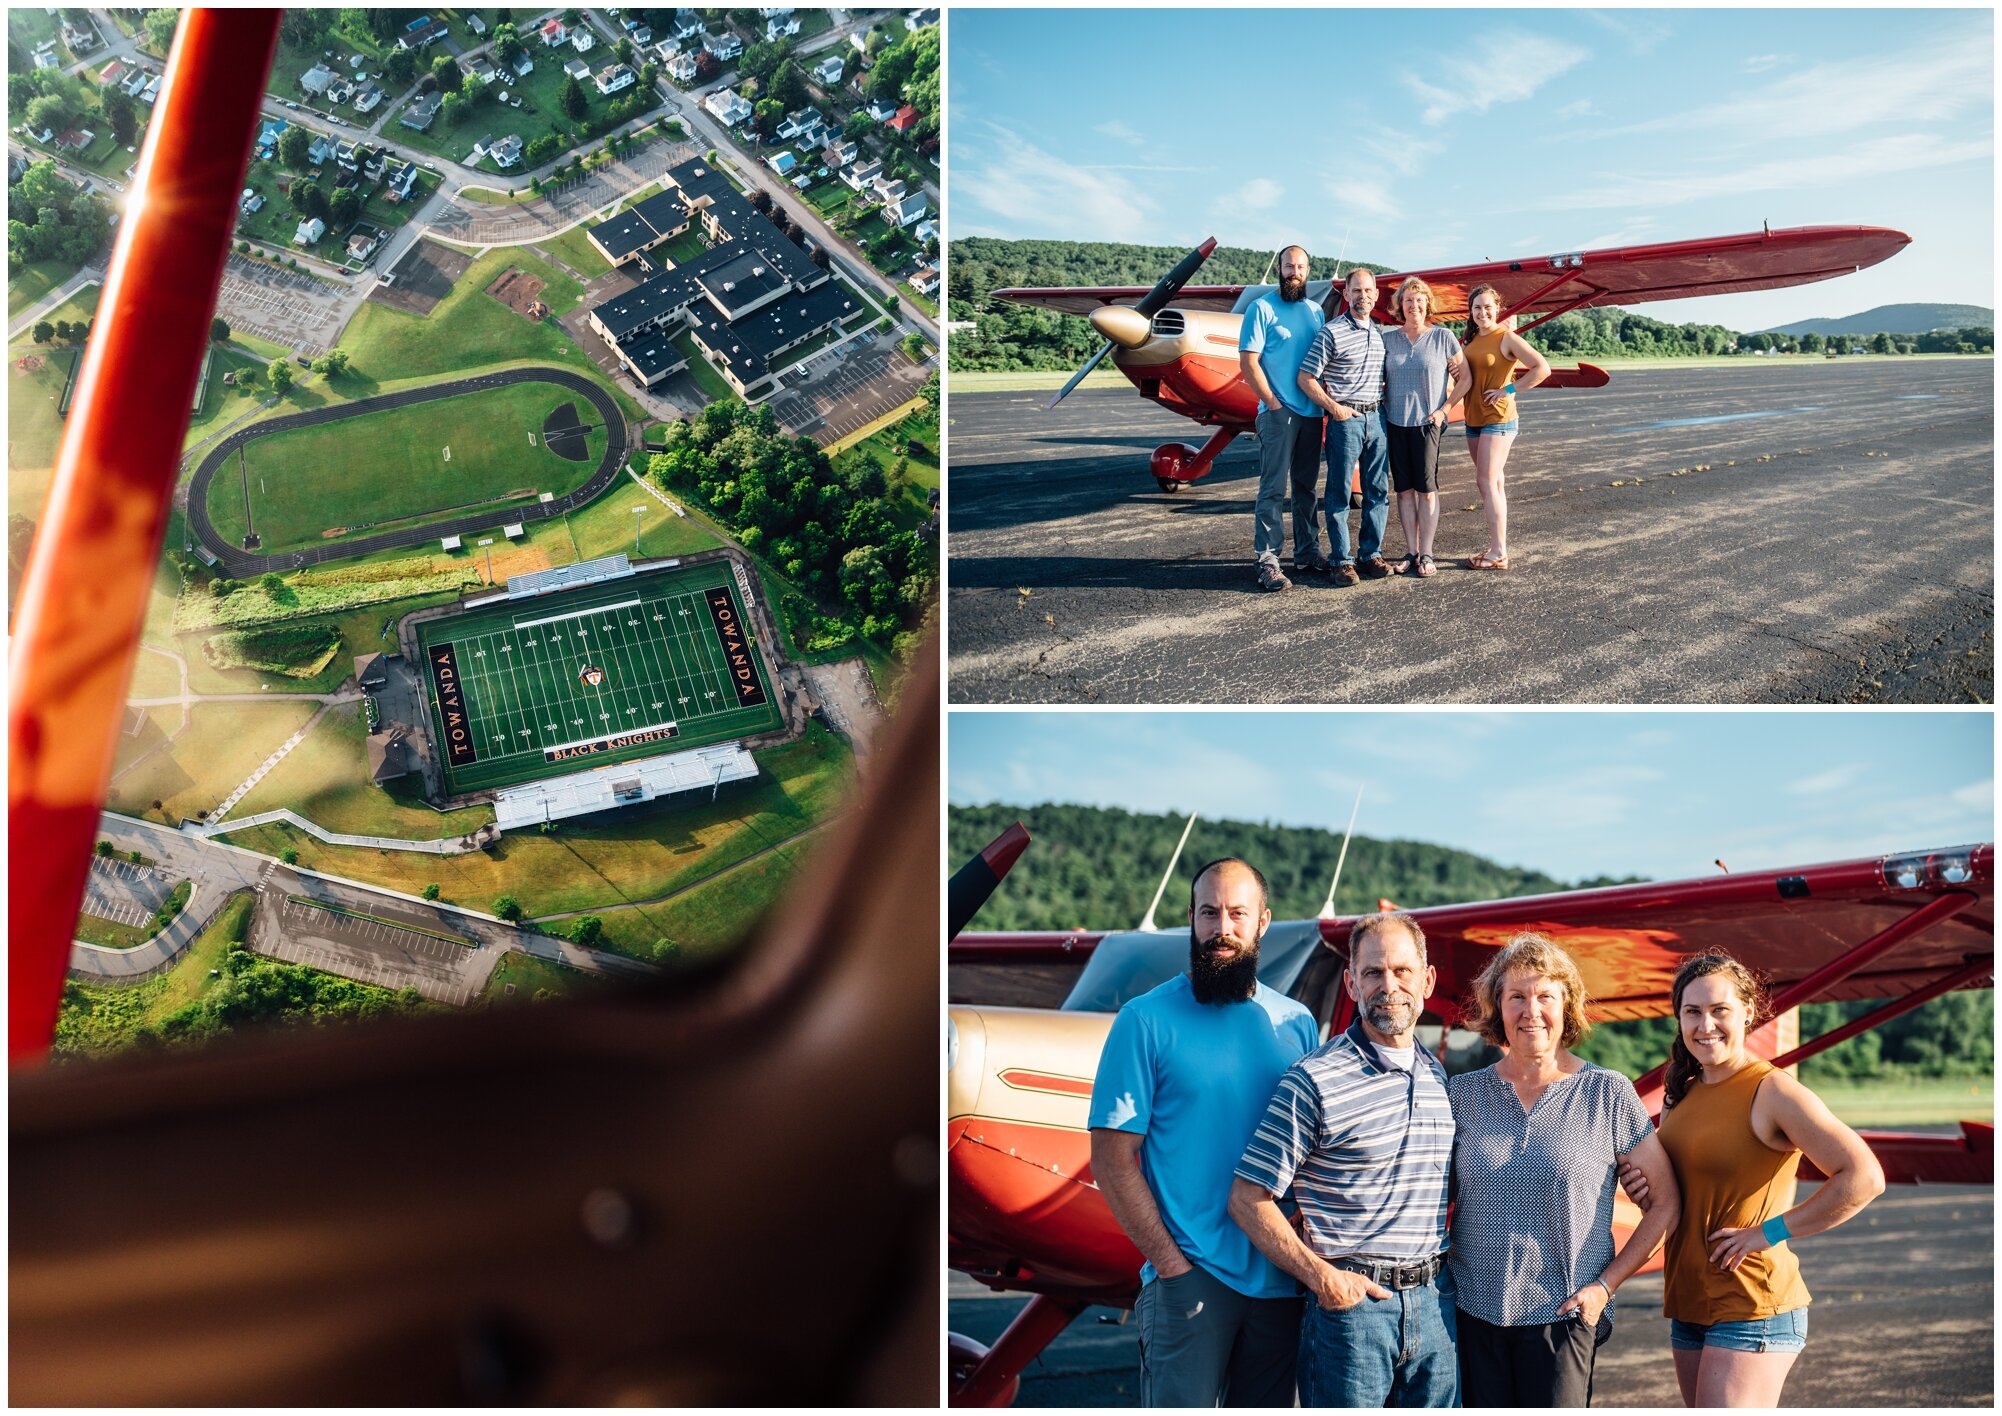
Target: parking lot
<point>473,224</point>
<point>294,310</point>
<point>373,951</point>
<point>122,892</point>
<point>848,388</point>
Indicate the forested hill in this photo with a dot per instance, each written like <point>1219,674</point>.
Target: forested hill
<point>985,263</point>
<point>1898,319</point>
<point>1097,867</point>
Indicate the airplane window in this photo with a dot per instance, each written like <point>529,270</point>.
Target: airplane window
<point>518,627</point>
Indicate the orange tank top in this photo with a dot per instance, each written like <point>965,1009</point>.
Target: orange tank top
<point>1730,1179</point>
<point>1491,370</point>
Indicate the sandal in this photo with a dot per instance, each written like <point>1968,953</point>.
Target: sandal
<point>1407,566</point>
<point>1425,566</point>
<point>1485,561</point>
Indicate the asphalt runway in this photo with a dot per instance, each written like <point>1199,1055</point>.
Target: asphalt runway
<point>1830,540</point>
<point>1903,1315</point>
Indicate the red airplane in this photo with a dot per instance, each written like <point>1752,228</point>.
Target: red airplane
<point>1024,1215</point>
<point>1184,356</point>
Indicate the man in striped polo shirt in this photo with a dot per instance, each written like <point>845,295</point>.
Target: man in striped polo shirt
<point>1343,375</point>
<point>1361,1131</point>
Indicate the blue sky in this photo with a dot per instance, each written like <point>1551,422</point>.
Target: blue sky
<point>1439,137</point>
<point>1572,794</point>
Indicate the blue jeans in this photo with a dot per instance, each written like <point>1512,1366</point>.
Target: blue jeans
<point>1360,437</point>
<point>1782,1332</point>
<point>1395,1351</point>
<point>1289,456</point>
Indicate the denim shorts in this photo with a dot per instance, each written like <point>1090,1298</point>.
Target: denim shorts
<point>1782,1332</point>
<point>1493,429</point>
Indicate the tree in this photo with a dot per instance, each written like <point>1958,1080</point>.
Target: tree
<point>445,72</point>
<point>281,376</point>
<point>288,856</point>
<point>159,26</point>
<point>104,849</point>
<point>859,126</point>
<point>766,115</point>
<point>1880,343</point>
<point>400,67</point>
<point>587,930</point>
<point>452,110</point>
<point>304,196</point>
<point>123,115</point>
<point>706,67</point>
<point>508,908</point>
<point>271,581</point>
<point>649,76</point>
<point>914,346</point>
<point>333,362</point>
<point>431,892</point>
<point>507,44</point>
<point>44,331</point>
<point>294,145</point>
<point>623,50</point>
<point>572,99</point>
<point>344,207</point>
<point>572,18</point>
<point>136,858</point>
<point>219,330</point>
<point>51,110</point>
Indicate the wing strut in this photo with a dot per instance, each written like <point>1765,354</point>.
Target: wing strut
<point>1174,860</point>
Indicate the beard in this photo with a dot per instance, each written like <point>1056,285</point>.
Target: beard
<point>1292,289</point>
<point>1394,1016</point>
<point>1231,980</point>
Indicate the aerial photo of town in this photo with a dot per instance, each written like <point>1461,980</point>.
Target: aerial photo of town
<point>558,515</point>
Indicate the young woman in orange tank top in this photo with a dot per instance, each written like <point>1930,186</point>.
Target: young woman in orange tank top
<point>1735,1128</point>
<point>1492,353</point>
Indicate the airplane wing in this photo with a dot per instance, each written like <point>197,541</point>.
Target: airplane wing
<point>1677,270</point>
<point>1619,275</point>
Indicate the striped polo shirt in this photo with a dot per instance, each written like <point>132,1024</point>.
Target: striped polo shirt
<point>1347,358</point>
<point>1366,1147</point>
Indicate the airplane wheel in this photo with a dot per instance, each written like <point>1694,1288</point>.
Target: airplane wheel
<point>1169,485</point>
<point>963,1354</point>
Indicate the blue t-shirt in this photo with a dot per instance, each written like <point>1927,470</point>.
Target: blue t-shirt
<point>1280,332</point>
<point>1194,1078</point>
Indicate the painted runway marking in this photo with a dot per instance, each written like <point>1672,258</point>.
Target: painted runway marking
<point>1716,418</point>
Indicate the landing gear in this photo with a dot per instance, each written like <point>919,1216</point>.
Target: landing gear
<point>1175,464</point>
<point>1169,484</point>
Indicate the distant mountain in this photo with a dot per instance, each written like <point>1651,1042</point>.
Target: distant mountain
<point>1897,319</point>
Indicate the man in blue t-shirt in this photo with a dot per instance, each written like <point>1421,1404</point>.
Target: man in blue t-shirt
<point>1278,328</point>
<point>1184,1078</point>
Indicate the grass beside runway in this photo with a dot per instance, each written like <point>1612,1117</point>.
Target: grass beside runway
<point>1890,1103</point>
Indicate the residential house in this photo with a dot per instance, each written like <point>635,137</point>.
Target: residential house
<point>687,24</point>
<point>152,90</point>
<point>45,56</point>
<point>906,119</point>
<point>906,212</point>
<point>554,32</point>
<point>362,244</point>
<point>268,133</point>
<point>402,178</point>
<point>862,174</point>
<point>369,99</point>
<point>917,20</point>
<point>839,153</point>
<point>881,110</point>
<point>111,73</point>
<point>250,203</point>
<point>421,34</point>
<point>79,38</point>
<point>642,36</point>
<point>925,282</point>
<point>797,123</point>
<point>828,71</point>
<point>375,162</point>
<point>782,163</point>
<point>507,152</point>
<point>340,91</point>
<point>582,39</point>
<point>321,150</point>
<point>774,12</point>
<point>888,189</point>
<point>346,155</point>
<point>523,65</point>
<point>777,28</point>
<point>926,230</point>
<point>481,68</point>
<point>578,70</point>
<point>681,66</point>
<point>729,107</point>
<point>75,139</point>
<point>614,78</point>
<point>725,46</point>
<point>135,82</point>
<point>476,24</point>
<point>423,113</point>
<point>317,80</point>
<point>310,230</point>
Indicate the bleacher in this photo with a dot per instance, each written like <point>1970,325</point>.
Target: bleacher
<point>568,577</point>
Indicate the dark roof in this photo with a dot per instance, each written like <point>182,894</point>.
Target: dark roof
<point>643,223</point>
<point>741,277</point>
<point>662,295</point>
<point>369,670</point>
<point>652,353</point>
<point>789,321</point>
<point>386,755</point>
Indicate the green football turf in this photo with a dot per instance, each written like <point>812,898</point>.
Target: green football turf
<point>521,666</point>
<point>402,466</point>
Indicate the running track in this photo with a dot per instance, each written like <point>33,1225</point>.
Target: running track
<point>241,564</point>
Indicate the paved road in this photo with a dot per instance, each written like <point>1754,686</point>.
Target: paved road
<point>1903,1315</point>
<point>216,874</point>
<point>241,563</point>
<point>1838,549</point>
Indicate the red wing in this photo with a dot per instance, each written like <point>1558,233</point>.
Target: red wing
<point>1083,299</point>
<point>1632,275</point>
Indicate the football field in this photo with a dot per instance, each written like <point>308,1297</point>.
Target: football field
<point>539,687</point>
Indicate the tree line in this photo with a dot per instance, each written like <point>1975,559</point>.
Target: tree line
<point>48,219</point>
<point>1097,868</point>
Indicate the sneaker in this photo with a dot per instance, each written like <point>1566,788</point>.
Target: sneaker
<point>1344,574</point>
<point>1313,567</point>
<point>1373,569</point>
<point>1271,580</point>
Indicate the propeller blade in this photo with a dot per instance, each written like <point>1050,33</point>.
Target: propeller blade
<point>1078,377</point>
<point>1172,283</point>
<point>973,882</point>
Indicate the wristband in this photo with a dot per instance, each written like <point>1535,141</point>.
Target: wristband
<point>1775,1230</point>
<point>1508,387</point>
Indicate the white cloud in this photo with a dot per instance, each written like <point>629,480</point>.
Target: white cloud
<point>1034,190</point>
<point>1760,63</point>
<point>1822,783</point>
<point>1850,167</point>
<point>1582,108</point>
<point>1113,128</point>
<point>1639,34</point>
<point>1360,197</point>
<point>1977,796</point>
<point>1503,68</point>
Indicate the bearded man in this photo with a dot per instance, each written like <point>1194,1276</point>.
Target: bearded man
<point>1361,1132</point>
<point>1279,328</point>
<point>1184,1077</point>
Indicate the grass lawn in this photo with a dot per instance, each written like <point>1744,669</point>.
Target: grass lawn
<point>1919,1101</point>
<point>365,630</point>
<point>110,933</point>
<point>679,250</point>
<point>533,980</point>
<point>31,27</point>
<point>223,744</point>
<point>575,250</point>
<point>33,428</point>
<point>401,466</point>
<point>293,60</point>
<point>95,1018</point>
<point>468,331</point>
<point>613,858</point>
<point>706,378</point>
<point>709,920</point>
<point>921,470</point>
<point>829,197</point>
<point>154,676</point>
<point>223,403</point>
<point>606,525</point>
<point>157,724</point>
<point>34,280</point>
<point>325,779</point>
<point>912,297</point>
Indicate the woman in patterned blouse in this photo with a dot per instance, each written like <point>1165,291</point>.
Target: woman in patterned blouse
<point>1538,1140</point>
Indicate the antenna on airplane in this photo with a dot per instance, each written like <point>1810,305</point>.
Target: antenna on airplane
<point>1341,253</point>
<point>1270,261</point>
<point>1328,905</point>
<point>1148,924</point>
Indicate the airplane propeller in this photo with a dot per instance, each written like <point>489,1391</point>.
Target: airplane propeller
<point>1128,326</point>
<point>973,882</point>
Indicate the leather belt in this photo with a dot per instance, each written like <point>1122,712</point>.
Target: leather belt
<point>1394,1273</point>
<point>1364,407</point>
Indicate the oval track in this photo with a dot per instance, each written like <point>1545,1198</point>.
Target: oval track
<point>242,564</point>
